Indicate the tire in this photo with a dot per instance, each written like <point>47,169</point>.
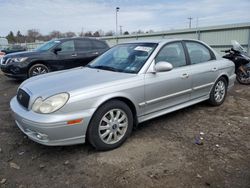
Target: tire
<point>218,92</point>
<point>37,69</point>
<point>103,128</point>
<point>240,74</point>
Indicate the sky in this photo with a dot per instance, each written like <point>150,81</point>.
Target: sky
<point>134,15</point>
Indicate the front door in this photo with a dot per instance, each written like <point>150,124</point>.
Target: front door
<point>66,58</point>
<point>167,89</point>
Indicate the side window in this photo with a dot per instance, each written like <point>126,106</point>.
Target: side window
<point>83,45</point>
<point>198,53</point>
<point>172,53</point>
<point>99,45</point>
<point>67,46</point>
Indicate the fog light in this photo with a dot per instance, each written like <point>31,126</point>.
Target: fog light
<point>41,136</point>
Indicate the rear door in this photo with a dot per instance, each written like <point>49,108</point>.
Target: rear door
<point>99,47</point>
<point>85,51</point>
<point>167,89</point>
<point>66,58</point>
<point>203,68</point>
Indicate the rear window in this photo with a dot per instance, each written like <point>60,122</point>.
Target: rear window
<point>83,45</point>
<point>99,44</point>
<point>198,53</point>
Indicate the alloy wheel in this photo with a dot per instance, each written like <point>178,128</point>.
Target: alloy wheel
<point>39,70</point>
<point>219,92</point>
<point>113,126</point>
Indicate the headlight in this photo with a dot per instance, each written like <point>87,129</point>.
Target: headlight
<point>19,59</point>
<point>50,104</point>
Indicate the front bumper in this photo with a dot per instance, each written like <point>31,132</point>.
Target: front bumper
<point>51,129</point>
<point>14,71</point>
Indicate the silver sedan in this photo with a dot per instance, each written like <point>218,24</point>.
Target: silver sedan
<point>130,83</point>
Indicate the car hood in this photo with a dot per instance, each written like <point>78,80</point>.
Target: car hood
<point>73,81</point>
<point>23,54</point>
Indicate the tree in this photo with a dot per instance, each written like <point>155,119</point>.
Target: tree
<point>55,34</point>
<point>88,34</point>
<point>70,34</point>
<point>126,33</point>
<point>19,37</point>
<point>11,38</point>
<point>109,33</point>
<point>96,34</point>
<point>32,35</point>
<point>101,32</point>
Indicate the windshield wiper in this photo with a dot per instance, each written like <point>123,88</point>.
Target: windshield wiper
<point>103,67</point>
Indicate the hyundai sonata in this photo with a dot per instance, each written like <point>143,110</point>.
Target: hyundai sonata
<point>128,84</point>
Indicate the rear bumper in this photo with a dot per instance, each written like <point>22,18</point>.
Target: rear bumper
<point>48,129</point>
<point>231,81</point>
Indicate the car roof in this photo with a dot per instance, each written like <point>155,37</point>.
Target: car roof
<point>76,38</point>
<point>158,41</point>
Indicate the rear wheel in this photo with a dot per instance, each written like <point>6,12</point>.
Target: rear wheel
<point>37,69</point>
<point>243,78</point>
<point>111,125</point>
<point>219,92</point>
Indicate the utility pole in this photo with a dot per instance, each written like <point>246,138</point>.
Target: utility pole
<point>120,29</point>
<point>190,22</point>
<point>116,20</point>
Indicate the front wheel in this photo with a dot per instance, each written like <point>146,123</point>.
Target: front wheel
<point>37,69</point>
<point>218,92</point>
<point>110,126</point>
<point>243,78</point>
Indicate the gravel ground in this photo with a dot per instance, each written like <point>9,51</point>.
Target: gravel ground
<point>160,153</point>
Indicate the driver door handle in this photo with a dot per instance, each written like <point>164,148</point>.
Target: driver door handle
<point>95,53</point>
<point>184,75</point>
<point>214,69</point>
<point>73,55</point>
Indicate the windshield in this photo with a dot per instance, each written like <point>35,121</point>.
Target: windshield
<point>48,45</point>
<point>128,58</point>
<point>237,46</point>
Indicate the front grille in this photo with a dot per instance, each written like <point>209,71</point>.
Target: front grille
<point>23,98</point>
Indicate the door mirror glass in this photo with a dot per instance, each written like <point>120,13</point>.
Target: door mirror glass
<point>57,49</point>
<point>163,66</point>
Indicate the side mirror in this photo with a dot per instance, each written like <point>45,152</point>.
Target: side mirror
<point>57,49</point>
<point>163,66</point>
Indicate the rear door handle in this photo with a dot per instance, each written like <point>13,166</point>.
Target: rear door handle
<point>214,69</point>
<point>73,55</point>
<point>95,53</point>
<point>185,75</point>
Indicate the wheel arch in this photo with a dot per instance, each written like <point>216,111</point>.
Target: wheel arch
<point>124,99</point>
<point>226,78</point>
<point>36,62</point>
<point>223,75</point>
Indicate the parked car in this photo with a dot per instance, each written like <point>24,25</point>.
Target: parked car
<point>13,49</point>
<point>52,56</point>
<point>129,84</point>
